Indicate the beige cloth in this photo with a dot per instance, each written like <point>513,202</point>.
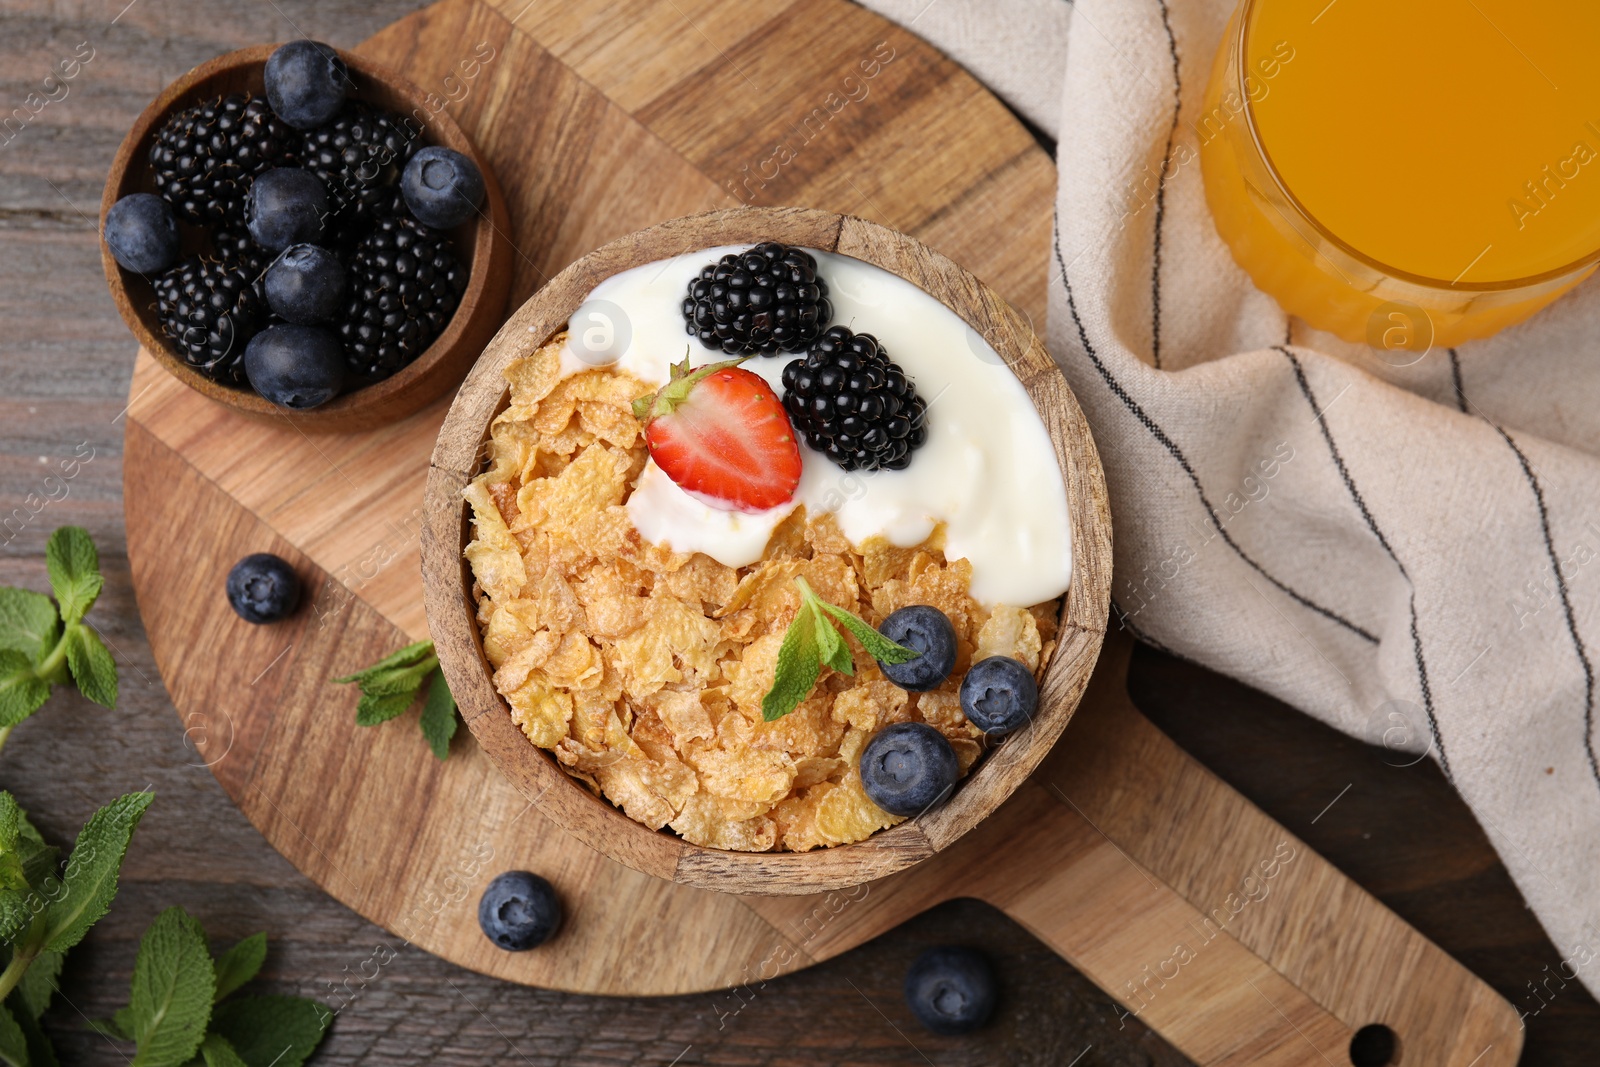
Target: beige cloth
<point>1407,553</point>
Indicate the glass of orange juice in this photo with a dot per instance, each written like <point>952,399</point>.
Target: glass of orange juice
<point>1406,173</point>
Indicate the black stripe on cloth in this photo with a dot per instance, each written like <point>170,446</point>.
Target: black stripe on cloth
<point>1455,377</point>
<point>1320,417</point>
<point>1161,191</point>
<point>1183,461</point>
<point>1126,622</point>
<point>1566,601</point>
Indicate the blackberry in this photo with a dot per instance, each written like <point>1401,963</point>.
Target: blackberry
<point>360,156</point>
<point>210,309</point>
<point>764,300</point>
<point>402,285</point>
<point>850,402</point>
<point>235,245</point>
<point>205,158</point>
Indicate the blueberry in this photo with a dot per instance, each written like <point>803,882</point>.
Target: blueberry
<point>908,767</point>
<point>519,911</point>
<point>926,630</point>
<point>142,233</point>
<point>442,188</point>
<point>285,206</point>
<point>999,695</point>
<point>295,366</point>
<point>951,990</point>
<point>305,285</point>
<point>306,82</point>
<point>263,588</point>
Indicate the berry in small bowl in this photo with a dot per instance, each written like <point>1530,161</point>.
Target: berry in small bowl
<point>273,148</point>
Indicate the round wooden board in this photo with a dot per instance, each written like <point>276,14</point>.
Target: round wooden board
<point>599,119</point>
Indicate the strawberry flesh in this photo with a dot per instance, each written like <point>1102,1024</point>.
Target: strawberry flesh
<point>721,433</point>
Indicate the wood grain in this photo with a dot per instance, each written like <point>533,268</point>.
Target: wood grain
<point>452,611</point>
<point>64,380</point>
<point>483,245</point>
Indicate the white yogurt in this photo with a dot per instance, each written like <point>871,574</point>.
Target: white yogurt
<point>987,472</point>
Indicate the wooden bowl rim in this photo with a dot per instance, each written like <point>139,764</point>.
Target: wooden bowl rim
<point>452,610</point>
<point>487,281</point>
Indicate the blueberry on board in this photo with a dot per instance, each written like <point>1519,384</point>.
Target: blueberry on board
<point>295,366</point>
<point>908,767</point>
<point>142,233</point>
<point>443,188</point>
<point>263,588</point>
<point>951,990</point>
<point>928,631</point>
<point>305,285</point>
<point>999,695</point>
<point>285,206</point>
<point>306,82</point>
<point>519,911</point>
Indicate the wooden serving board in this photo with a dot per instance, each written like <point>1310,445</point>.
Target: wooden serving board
<point>1210,922</point>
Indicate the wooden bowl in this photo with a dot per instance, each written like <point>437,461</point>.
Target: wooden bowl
<point>482,245</point>
<point>452,612</point>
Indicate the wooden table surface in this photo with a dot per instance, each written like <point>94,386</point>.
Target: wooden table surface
<point>65,363</point>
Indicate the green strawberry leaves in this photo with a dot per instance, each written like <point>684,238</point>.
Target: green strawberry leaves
<point>812,642</point>
<point>390,686</point>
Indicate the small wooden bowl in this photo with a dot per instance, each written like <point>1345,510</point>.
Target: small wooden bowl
<point>452,612</point>
<point>482,245</point>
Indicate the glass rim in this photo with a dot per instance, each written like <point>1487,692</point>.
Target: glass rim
<point>1247,10</point>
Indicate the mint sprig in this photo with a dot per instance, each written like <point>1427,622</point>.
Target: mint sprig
<point>390,686</point>
<point>44,643</point>
<point>811,642</point>
<point>182,1012</point>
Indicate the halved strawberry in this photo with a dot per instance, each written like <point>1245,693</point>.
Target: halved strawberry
<point>721,433</point>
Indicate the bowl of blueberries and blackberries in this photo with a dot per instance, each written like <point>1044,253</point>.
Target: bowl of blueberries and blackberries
<point>290,231</point>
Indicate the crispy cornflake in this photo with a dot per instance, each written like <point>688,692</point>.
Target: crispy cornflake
<point>1010,632</point>
<point>643,669</point>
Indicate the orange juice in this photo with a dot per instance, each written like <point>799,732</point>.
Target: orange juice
<point>1408,172</point>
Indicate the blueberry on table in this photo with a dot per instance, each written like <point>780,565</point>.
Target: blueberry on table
<point>519,911</point>
<point>908,767</point>
<point>926,630</point>
<point>295,367</point>
<point>999,695</point>
<point>951,990</point>
<point>142,233</point>
<point>306,82</point>
<point>263,588</point>
<point>305,285</point>
<point>285,206</point>
<point>442,187</point>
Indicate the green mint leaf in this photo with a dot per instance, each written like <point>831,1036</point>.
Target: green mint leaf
<point>92,666</point>
<point>15,913</point>
<point>13,1043</point>
<point>409,656</point>
<point>878,646</point>
<point>119,1027</point>
<point>174,982</point>
<point>38,983</point>
<point>439,714</point>
<point>271,1031</point>
<point>399,679</point>
<point>799,663</point>
<point>91,877</point>
<point>74,567</point>
<point>11,873</point>
<point>240,963</point>
<point>22,692</point>
<point>28,623</point>
<point>218,1053</point>
<point>373,710</point>
<point>40,1052</point>
<point>831,647</point>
